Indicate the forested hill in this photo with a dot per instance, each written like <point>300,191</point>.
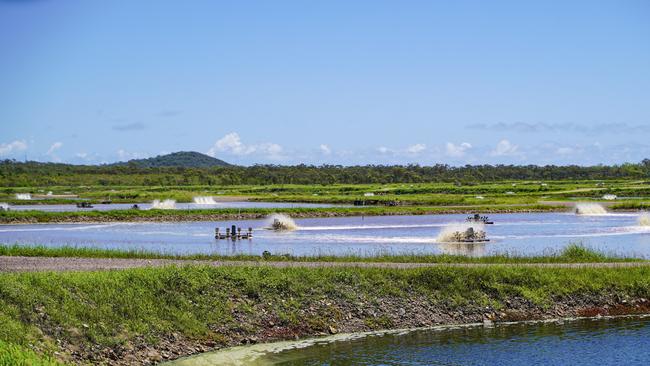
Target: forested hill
<point>185,159</point>
<point>14,174</point>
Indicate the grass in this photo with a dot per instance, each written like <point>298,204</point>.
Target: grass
<point>112,309</point>
<point>231,213</point>
<point>420,194</point>
<point>15,355</point>
<point>573,253</point>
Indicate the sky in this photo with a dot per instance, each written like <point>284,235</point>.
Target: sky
<point>329,82</point>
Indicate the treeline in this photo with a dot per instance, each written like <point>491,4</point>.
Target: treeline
<point>21,174</point>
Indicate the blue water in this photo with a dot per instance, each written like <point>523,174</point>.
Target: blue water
<point>622,341</point>
<point>522,234</point>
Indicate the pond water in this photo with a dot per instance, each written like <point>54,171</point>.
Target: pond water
<point>612,341</point>
<point>178,206</point>
<point>521,234</point>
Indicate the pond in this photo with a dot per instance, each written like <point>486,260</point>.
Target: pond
<point>607,341</point>
<point>521,234</point>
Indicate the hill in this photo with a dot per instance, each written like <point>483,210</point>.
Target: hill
<point>185,159</point>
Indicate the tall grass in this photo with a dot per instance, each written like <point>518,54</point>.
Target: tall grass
<point>573,253</point>
<point>15,355</point>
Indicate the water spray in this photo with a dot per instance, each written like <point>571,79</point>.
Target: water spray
<point>280,222</point>
<point>586,208</point>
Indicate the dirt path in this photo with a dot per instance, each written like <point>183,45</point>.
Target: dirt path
<point>31,264</point>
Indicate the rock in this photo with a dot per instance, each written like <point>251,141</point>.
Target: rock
<point>154,356</point>
<point>488,323</point>
<point>333,330</point>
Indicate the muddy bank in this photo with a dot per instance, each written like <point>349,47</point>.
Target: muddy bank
<point>331,316</point>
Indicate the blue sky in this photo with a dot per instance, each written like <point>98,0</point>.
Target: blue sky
<point>336,82</point>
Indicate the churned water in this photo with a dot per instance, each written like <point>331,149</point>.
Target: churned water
<point>520,234</point>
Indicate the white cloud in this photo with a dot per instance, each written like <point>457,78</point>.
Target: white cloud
<point>457,151</point>
<point>325,149</point>
<point>564,150</point>
<point>416,149</point>
<point>232,144</point>
<point>409,151</point>
<point>505,148</point>
<point>8,148</point>
<point>55,146</point>
<point>125,155</point>
<point>81,155</point>
<point>272,151</point>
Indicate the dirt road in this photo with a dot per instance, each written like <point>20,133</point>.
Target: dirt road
<point>31,264</point>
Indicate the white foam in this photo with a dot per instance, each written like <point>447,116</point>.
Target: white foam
<point>163,205</point>
<point>4,205</point>
<point>447,234</point>
<point>586,208</point>
<point>286,221</point>
<point>204,200</point>
<point>644,219</point>
<point>23,196</point>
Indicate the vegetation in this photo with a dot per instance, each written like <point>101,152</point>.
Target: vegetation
<point>33,216</point>
<point>573,253</point>
<point>185,159</point>
<point>94,311</point>
<point>15,355</point>
<point>150,173</point>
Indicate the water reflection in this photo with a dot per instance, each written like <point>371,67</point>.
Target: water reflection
<point>584,342</point>
<point>467,249</point>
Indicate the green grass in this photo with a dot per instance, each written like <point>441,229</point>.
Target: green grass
<point>420,194</point>
<point>15,355</point>
<point>35,216</point>
<point>116,308</point>
<point>573,253</point>
<point>627,206</point>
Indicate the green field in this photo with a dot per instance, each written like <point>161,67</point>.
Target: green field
<point>428,194</point>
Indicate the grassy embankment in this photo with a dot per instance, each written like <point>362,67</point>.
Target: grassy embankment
<point>572,253</point>
<point>35,216</point>
<point>431,194</point>
<point>136,315</point>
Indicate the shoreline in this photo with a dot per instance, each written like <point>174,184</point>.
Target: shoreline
<point>98,217</point>
<point>237,355</point>
<point>175,351</point>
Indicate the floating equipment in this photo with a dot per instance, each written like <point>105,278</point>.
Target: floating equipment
<point>84,205</point>
<point>234,233</point>
<point>480,219</point>
<point>470,236</point>
<point>135,207</point>
<point>280,225</point>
